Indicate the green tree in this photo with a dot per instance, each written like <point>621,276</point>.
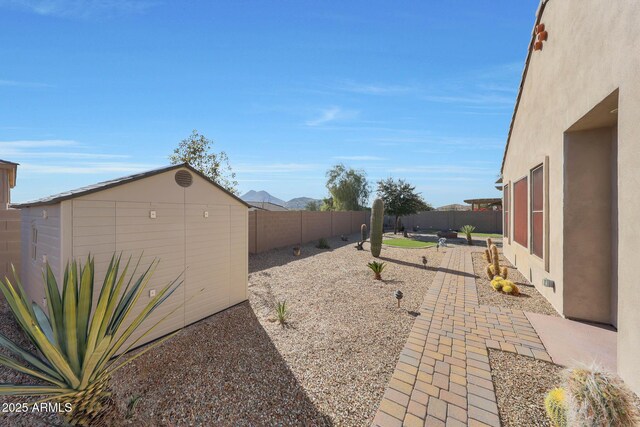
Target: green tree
<point>348,188</point>
<point>312,205</point>
<point>400,198</point>
<point>327,204</point>
<point>197,151</point>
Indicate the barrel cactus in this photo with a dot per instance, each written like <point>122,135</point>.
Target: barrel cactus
<point>596,397</point>
<point>377,218</point>
<point>556,405</point>
<point>363,233</point>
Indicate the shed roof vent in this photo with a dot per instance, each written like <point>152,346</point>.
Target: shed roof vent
<point>184,178</point>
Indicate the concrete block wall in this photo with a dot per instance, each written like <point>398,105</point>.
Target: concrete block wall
<point>9,241</point>
<point>484,221</point>
<point>270,230</point>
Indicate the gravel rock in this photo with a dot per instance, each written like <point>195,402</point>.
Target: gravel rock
<point>521,385</point>
<point>529,299</point>
<point>328,366</point>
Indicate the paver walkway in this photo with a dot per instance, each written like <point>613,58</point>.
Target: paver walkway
<point>443,376</point>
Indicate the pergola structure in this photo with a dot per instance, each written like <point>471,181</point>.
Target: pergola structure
<point>490,204</point>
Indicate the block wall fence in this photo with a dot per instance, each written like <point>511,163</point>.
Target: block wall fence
<point>270,230</point>
<point>484,221</point>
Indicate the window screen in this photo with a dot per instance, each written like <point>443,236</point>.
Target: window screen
<point>506,209</point>
<point>520,212</point>
<point>537,211</point>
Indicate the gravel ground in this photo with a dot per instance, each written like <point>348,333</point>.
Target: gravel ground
<point>346,330</point>
<point>329,366</point>
<point>528,300</point>
<point>521,385</point>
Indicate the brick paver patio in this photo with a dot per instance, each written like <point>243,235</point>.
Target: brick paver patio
<point>443,376</point>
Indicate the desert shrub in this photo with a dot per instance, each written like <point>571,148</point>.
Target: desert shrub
<point>323,244</point>
<point>282,312</point>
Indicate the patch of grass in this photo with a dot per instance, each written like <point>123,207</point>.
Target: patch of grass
<point>408,243</point>
<point>492,235</point>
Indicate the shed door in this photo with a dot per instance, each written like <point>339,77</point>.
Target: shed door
<point>157,231</point>
<point>207,260</point>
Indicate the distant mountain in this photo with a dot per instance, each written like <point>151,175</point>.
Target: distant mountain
<point>261,196</point>
<point>297,203</point>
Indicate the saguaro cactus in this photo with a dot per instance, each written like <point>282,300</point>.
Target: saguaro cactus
<point>377,217</point>
<point>363,233</point>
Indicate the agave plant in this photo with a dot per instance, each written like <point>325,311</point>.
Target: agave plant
<point>377,268</point>
<point>467,230</point>
<point>74,342</point>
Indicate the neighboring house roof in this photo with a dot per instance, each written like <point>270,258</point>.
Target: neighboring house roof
<point>5,164</point>
<point>490,200</point>
<point>541,7</point>
<point>72,194</point>
<point>454,207</point>
<point>267,206</point>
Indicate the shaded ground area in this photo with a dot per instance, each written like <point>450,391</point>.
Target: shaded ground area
<point>521,384</point>
<point>224,370</point>
<point>528,300</point>
<point>329,366</point>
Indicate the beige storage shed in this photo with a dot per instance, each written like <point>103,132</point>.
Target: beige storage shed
<point>175,214</point>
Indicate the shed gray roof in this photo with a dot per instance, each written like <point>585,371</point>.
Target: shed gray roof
<point>56,198</point>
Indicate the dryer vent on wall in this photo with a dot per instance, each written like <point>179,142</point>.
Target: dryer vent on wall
<point>184,178</point>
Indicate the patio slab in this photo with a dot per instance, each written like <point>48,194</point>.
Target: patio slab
<point>569,342</point>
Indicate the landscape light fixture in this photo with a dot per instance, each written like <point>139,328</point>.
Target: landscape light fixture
<point>398,294</point>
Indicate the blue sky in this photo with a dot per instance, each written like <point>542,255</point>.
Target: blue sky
<point>95,89</point>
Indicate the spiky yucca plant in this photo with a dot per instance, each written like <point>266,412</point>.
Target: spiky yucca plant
<point>467,230</point>
<point>377,268</point>
<point>282,313</point>
<point>74,342</point>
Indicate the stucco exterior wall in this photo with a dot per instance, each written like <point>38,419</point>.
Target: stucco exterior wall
<point>590,53</point>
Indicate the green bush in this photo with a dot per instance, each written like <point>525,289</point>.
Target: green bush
<point>323,244</point>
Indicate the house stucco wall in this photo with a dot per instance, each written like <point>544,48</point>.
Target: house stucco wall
<point>591,52</point>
